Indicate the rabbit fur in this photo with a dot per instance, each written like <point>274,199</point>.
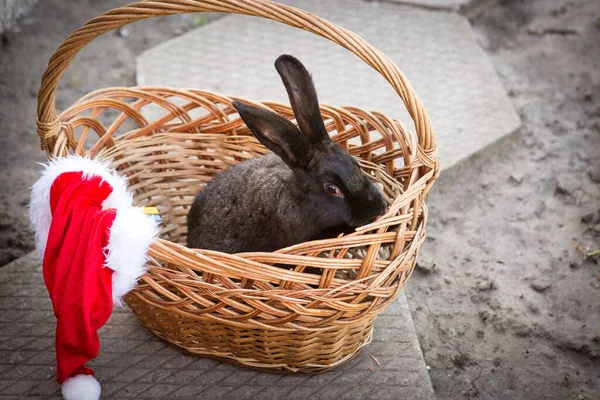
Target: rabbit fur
<point>307,188</point>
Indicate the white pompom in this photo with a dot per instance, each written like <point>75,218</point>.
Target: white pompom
<point>81,387</point>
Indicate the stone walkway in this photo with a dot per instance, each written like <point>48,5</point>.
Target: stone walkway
<point>447,5</point>
<point>133,364</point>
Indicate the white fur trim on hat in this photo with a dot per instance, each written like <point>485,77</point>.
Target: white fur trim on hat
<point>81,387</point>
<point>132,231</point>
<point>131,234</point>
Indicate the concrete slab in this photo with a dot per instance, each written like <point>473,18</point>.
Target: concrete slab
<point>12,10</point>
<point>135,364</point>
<point>434,4</point>
<point>469,8</point>
<point>436,50</point>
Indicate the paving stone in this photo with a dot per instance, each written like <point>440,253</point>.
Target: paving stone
<point>389,393</point>
<point>159,375</point>
<point>170,351</point>
<point>20,372</point>
<point>132,360</point>
<point>469,8</point>
<point>107,373</point>
<point>394,363</point>
<point>379,348</point>
<point>190,391</point>
<point>15,329</point>
<point>111,387</point>
<point>362,392</point>
<point>9,315</point>
<point>183,377</point>
<point>216,392</point>
<point>239,378</point>
<point>132,390</point>
<point>294,380</point>
<point>148,368</point>
<point>42,358</point>
<point>104,358</point>
<point>436,4</point>
<point>350,378</point>
<point>19,290</point>
<point>160,391</point>
<point>212,378</point>
<point>15,343</point>
<point>20,398</point>
<point>40,329</point>
<point>21,386</point>
<point>272,393</point>
<point>17,357</point>
<point>130,375</point>
<point>44,373</point>
<point>302,393</point>
<point>391,378</point>
<point>153,361</point>
<point>123,346</point>
<point>387,334</point>
<point>36,317</point>
<point>436,50</point>
<point>335,392</point>
<point>46,343</point>
<point>44,387</point>
<point>177,362</point>
<point>203,364</point>
<point>320,380</point>
<point>151,347</point>
<point>119,331</point>
<point>247,392</point>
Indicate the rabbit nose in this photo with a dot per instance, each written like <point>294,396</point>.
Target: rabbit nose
<point>378,211</point>
<point>372,218</point>
<point>377,198</point>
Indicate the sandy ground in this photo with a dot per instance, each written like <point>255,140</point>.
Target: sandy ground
<point>505,305</point>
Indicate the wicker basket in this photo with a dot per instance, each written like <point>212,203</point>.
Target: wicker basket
<point>319,311</point>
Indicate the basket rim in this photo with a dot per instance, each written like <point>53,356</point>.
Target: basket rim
<point>249,289</point>
<point>412,189</point>
<point>49,126</point>
<point>409,193</point>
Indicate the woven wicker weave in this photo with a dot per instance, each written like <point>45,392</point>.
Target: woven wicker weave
<point>319,311</point>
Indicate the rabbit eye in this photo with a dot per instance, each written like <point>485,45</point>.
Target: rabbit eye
<point>332,189</point>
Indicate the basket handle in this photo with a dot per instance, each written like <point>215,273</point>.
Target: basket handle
<point>48,125</point>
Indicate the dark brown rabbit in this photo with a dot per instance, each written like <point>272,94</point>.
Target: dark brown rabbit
<point>308,188</point>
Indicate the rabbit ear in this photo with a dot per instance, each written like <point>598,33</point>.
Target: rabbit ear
<point>277,134</point>
<point>303,97</point>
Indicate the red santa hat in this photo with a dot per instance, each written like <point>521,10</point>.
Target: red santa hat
<point>93,244</point>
